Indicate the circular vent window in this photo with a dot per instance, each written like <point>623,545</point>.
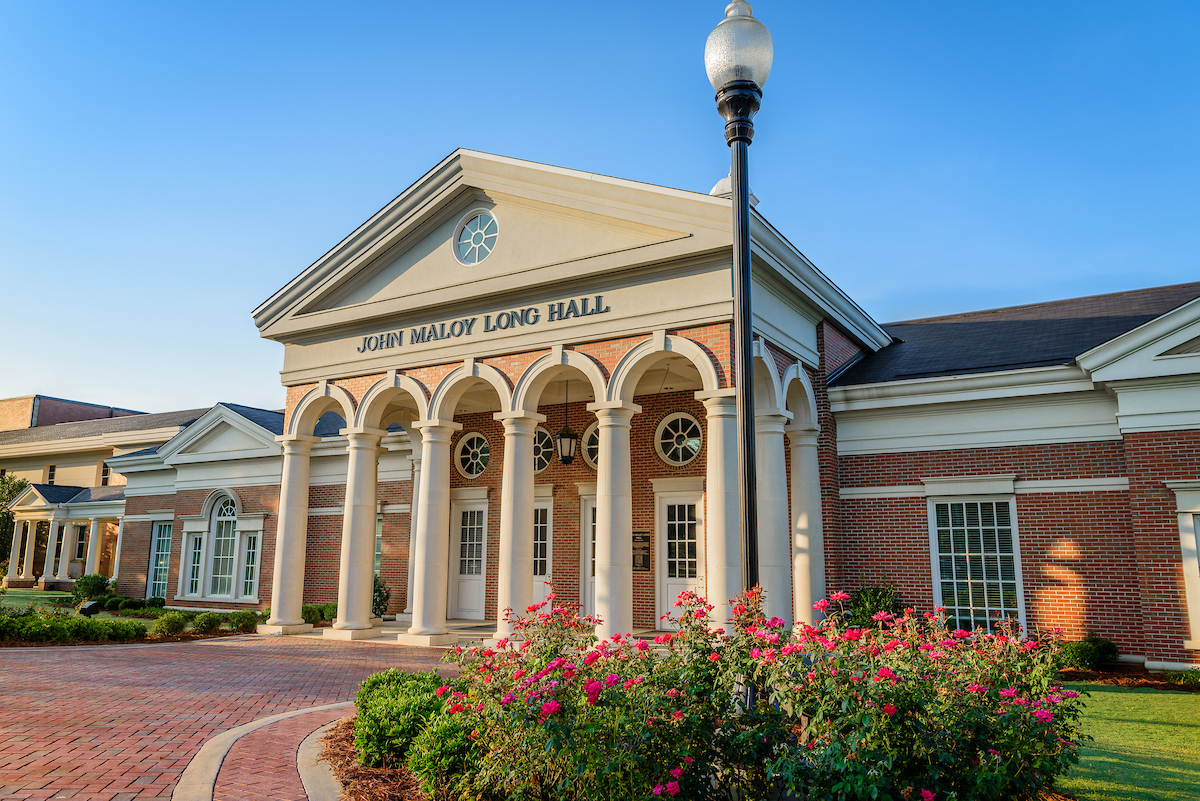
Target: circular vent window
<point>476,237</point>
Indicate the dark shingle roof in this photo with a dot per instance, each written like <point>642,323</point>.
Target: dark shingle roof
<point>57,493</point>
<point>272,421</point>
<point>1038,335</point>
<point>92,494</point>
<point>92,428</point>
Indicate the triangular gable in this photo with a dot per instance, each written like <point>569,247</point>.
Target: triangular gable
<point>36,497</point>
<point>220,434</point>
<point>1166,346</point>
<point>555,225</point>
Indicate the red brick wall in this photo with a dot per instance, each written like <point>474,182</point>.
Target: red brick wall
<point>16,413</point>
<point>52,411</point>
<point>836,348</point>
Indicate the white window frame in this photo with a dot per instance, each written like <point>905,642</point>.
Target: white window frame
<point>1187,510</point>
<point>470,500</point>
<point>458,451</point>
<point>155,529</point>
<point>538,432</point>
<point>666,421</point>
<point>593,428</point>
<point>201,529</point>
<point>934,565</point>
<point>81,540</point>
<point>544,499</point>
<point>668,492</point>
<point>587,506</point>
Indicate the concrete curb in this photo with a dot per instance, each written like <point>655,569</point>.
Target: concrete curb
<point>317,777</point>
<point>199,777</point>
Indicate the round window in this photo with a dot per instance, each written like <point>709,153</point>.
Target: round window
<point>472,455</point>
<point>591,445</point>
<point>678,438</point>
<point>543,449</point>
<point>476,237</point>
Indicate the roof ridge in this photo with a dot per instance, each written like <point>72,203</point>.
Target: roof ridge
<point>1046,303</point>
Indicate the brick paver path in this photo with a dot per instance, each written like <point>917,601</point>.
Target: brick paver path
<point>261,766</point>
<point>122,721</point>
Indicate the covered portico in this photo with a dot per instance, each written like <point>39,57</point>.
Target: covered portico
<point>82,528</point>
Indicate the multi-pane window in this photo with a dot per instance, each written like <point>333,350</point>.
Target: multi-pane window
<point>541,541</point>
<point>470,553</point>
<point>81,535</point>
<point>591,445</point>
<point>473,455</point>
<point>250,564</point>
<point>160,560</point>
<point>50,472</point>
<point>224,548</point>
<point>194,566</point>
<point>977,568</point>
<point>105,475</point>
<point>678,438</point>
<point>593,545</point>
<point>378,544</point>
<point>682,561</point>
<point>543,449</point>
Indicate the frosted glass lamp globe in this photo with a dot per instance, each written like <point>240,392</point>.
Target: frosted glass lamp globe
<point>738,49</point>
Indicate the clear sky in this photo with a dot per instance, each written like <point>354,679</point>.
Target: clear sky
<point>165,167</point>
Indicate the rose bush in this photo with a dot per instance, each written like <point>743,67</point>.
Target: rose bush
<point>901,709</point>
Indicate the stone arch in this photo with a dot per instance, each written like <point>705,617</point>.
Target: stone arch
<point>217,495</point>
<point>324,397</point>
<point>800,397</point>
<point>451,388</point>
<point>538,375</point>
<point>643,355</point>
<point>768,391</point>
<point>394,389</point>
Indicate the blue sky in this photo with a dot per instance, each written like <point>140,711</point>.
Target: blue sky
<point>165,167</point>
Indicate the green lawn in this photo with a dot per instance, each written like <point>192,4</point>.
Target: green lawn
<point>1146,748</point>
<point>21,597</point>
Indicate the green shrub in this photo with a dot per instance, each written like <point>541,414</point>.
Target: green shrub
<point>871,599</point>
<point>157,603</point>
<point>393,708</point>
<point>380,597</point>
<point>329,611</point>
<point>89,586</point>
<point>206,623</point>
<point>49,626</point>
<point>114,602</point>
<point>265,614</point>
<point>311,613</point>
<point>442,757</point>
<point>169,624</point>
<point>1185,678</point>
<point>244,620</point>
<point>132,603</point>
<point>1089,653</point>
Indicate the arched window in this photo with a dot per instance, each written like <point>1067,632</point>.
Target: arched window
<point>224,547</point>
<point>221,552</point>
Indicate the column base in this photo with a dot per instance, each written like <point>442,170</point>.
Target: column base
<point>376,622</point>
<point>428,640</point>
<point>55,585</point>
<point>300,628</point>
<point>18,583</point>
<point>351,634</point>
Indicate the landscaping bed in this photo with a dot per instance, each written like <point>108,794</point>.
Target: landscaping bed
<point>1133,676</point>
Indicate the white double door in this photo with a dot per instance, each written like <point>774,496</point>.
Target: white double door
<point>468,560</point>
<point>587,551</point>
<point>679,524</point>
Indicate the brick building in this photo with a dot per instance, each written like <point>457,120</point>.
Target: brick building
<point>1039,462</point>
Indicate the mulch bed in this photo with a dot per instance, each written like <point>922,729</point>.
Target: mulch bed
<point>1127,675</point>
<point>365,784</point>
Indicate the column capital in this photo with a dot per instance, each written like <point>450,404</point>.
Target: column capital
<point>729,393</point>
<point>771,421</point>
<point>613,410</point>
<point>362,431</point>
<point>296,440</point>
<point>799,435</point>
<point>437,425</point>
<point>519,423</point>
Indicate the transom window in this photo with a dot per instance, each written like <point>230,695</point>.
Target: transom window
<point>473,455</point>
<point>470,549</point>
<point>224,548</point>
<point>678,439</point>
<point>978,573</point>
<point>541,541</point>
<point>682,561</point>
<point>543,449</point>
<point>160,560</point>
<point>476,238</point>
<point>591,445</point>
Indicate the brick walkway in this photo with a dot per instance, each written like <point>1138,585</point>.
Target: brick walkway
<point>122,722</point>
<point>261,766</point>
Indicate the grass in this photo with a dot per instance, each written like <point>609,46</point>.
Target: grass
<point>16,597</point>
<point>1146,748</point>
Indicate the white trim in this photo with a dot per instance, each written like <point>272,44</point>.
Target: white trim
<point>592,427</point>
<point>325,511</point>
<point>151,517</point>
<point>458,449</point>
<point>469,493</point>
<point>1035,487</point>
<point>1187,508</point>
<point>543,490</point>
<point>663,600</point>
<point>1022,383</point>
<point>458,228</point>
<point>970,485</point>
<point>688,484</point>
<point>553,447</point>
<point>586,487</point>
<point>544,501</point>
<point>666,421</point>
<point>586,501</point>
<point>457,507</point>
<point>898,491</point>
<point>1160,666</point>
<point>396,508</point>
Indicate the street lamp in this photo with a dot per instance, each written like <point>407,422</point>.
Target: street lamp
<point>737,58</point>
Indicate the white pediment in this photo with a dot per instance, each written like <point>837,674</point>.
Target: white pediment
<point>1167,346</point>
<point>220,434</point>
<point>29,500</point>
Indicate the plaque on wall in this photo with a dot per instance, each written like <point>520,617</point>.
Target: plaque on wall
<point>641,552</point>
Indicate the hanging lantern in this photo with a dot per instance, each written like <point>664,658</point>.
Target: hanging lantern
<point>566,442</point>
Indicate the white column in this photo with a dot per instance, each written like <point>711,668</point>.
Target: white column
<point>30,547</point>
<point>432,541</point>
<point>722,534</point>
<point>291,538</point>
<point>68,550</point>
<point>774,531</point>
<point>808,544</point>
<point>51,546</point>
<point>14,554</point>
<point>414,437</point>
<point>92,565</point>
<point>357,572</point>
<point>614,519</point>
<point>514,591</point>
<point>116,557</point>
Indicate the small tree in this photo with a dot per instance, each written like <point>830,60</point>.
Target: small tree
<point>10,488</point>
<point>381,597</point>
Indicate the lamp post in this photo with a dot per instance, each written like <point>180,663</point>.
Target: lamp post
<point>737,58</point>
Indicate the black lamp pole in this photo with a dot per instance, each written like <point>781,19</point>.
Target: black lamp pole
<point>738,101</point>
